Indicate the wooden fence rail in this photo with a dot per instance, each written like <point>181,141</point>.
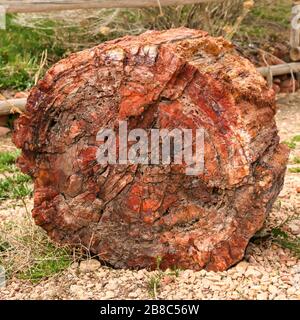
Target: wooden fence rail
<point>44,6</point>
<point>280,69</point>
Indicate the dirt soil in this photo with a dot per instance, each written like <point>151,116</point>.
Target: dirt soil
<point>268,271</point>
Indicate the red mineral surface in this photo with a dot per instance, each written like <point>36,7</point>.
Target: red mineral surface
<point>132,214</point>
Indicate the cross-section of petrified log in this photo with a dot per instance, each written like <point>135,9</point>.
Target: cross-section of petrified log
<point>132,214</point>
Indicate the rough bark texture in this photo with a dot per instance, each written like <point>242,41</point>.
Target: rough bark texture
<point>132,214</point>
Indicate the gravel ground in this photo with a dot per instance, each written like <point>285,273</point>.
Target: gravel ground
<point>267,271</point>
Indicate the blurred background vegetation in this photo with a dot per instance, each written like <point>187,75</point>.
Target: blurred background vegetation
<point>32,42</point>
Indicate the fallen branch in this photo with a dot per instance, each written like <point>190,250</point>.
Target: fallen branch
<point>8,106</point>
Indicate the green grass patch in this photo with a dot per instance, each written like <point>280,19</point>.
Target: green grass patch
<point>154,282</point>
<point>21,49</point>
<point>266,22</point>
<point>16,186</point>
<point>290,144</point>
<point>294,170</point>
<point>286,240</point>
<point>25,249</point>
<point>52,261</point>
<point>296,138</point>
<point>8,160</point>
<point>279,12</point>
<point>27,253</point>
<point>280,236</point>
<point>4,246</point>
<point>13,183</point>
<point>296,160</point>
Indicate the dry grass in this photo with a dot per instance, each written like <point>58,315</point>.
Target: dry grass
<point>82,28</point>
<point>25,249</point>
<point>26,252</point>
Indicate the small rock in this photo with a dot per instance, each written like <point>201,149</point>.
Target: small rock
<point>112,285</point>
<point>132,295</point>
<point>291,290</point>
<point>89,265</point>
<point>205,283</point>
<point>35,296</point>
<point>105,30</point>
<point>273,289</point>
<point>109,295</point>
<point>167,280</point>
<point>253,272</point>
<point>4,131</point>
<point>75,288</point>
<point>203,272</point>
<point>262,296</point>
<point>276,88</point>
<point>49,294</point>
<point>295,228</point>
<point>140,275</point>
<point>242,267</point>
<point>74,265</point>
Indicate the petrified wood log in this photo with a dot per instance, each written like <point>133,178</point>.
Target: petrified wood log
<point>132,214</point>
